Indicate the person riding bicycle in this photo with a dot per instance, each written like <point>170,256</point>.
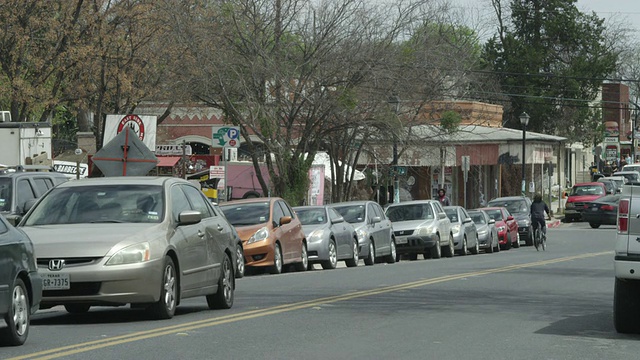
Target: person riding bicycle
<point>538,208</point>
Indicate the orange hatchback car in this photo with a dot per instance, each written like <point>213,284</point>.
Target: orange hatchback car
<point>271,233</point>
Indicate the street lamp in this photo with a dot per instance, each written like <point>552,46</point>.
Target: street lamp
<point>524,120</point>
<point>395,102</point>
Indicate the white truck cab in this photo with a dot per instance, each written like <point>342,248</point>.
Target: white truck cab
<point>626,300</point>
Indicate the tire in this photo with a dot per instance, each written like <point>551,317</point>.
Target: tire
<point>18,316</point>
<point>476,249</point>
<point>333,257</point>
<point>240,265</point>
<point>277,260</point>
<point>165,308</point>
<point>464,249</point>
<point>626,313</point>
<point>355,258</point>
<point>223,298</point>
<point>372,254</point>
<point>77,308</point>
<point>449,250</point>
<point>517,243</point>
<point>436,251</point>
<point>391,258</point>
<point>529,240</point>
<point>594,225</point>
<point>491,245</point>
<point>304,264</point>
<point>507,246</point>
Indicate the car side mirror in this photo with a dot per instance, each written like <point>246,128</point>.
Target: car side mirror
<point>492,221</point>
<point>467,220</point>
<point>285,220</point>
<point>338,220</point>
<point>510,217</point>
<point>189,217</point>
<point>442,216</point>
<point>376,219</point>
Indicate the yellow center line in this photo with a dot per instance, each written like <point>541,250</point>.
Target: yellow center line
<point>251,314</point>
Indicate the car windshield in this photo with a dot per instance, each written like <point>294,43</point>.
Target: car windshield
<point>351,213</point>
<point>514,206</point>
<point>478,218</point>
<point>247,213</point>
<point>452,214</point>
<point>410,212</point>
<point>629,176</point>
<point>495,214</point>
<point>312,216</point>
<point>5,194</point>
<point>587,190</point>
<point>99,203</point>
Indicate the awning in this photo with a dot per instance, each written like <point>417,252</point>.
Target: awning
<point>168,161</point>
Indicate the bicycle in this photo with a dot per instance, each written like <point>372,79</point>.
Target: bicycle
<point>539,239</point>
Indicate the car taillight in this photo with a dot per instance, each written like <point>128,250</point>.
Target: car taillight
<point>607,208</point>
<point>623,216</point>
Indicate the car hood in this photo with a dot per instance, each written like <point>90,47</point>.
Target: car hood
<point>308,229</point>
<point>521,217</point>
<point>482,227</point>
<point>245,232</point>
<point>582,198</point>
<point>411,224</point>
<point>87,240</point>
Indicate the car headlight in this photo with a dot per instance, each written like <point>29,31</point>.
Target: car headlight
<point>425,231</point>
<point>455,228</point>
<point>501,228</point>
<point>361,234</point>
<point>260,235</point>
<point>131,255</point>
<point>570,205</point>
<point>316,235</point>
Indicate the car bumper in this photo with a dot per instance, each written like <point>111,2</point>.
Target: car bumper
<point>318,251</point>
<point>572,213</point>
<point>524,232</point>
<point>502,237</point>
<point>36,288</point>
<point>600,218</point>
<point>627,267</point>
<point>457,240</point>
<point>484,240</point>
<point>101,284</point>
<point>260,254</point>
<point>414,243</point>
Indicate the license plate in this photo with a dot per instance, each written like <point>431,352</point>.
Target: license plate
<point>594,209</point>
<point>401,240</point>
<point>55,281</point>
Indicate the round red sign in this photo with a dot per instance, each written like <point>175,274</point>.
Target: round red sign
<point>232,142</point>
<point>135,123</point>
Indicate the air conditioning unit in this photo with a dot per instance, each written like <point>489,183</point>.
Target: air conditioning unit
<point>5,116</point>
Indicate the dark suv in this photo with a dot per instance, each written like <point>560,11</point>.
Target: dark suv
<point>18,186</point>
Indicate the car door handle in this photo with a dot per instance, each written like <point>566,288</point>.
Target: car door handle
<point>200,234</point>
<point>220,228</point>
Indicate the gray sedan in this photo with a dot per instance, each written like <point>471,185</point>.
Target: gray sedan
<point>145,241</point>
<point>421,227</point>
<point>329,237</point>
<point>465,235</point>
<point>20,284</point>
<point>487,231</point>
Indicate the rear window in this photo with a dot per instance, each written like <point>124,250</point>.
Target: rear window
<point>587,190</point>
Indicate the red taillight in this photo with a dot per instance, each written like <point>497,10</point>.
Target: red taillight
<point>623,216</point>
<point>607,208</point>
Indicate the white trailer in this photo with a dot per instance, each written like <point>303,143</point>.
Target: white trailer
<point>25,143</point>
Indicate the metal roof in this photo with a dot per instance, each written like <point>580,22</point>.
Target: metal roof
<point>480,134</point>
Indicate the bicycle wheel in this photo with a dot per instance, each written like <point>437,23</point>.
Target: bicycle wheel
<point>544,242</point>
<point>536,238</point>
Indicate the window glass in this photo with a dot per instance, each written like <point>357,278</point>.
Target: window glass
<point>43,184</point>
<point>3,227</point>
<point>452,214</point>
<point>333,214</point>
<point>25,192</point>
<point>277,213</point>
<point>6,194</point>
<point>197,200</point>
<point>351,213</point>
<point>179,202</point>
<point>478,218</point>
<point>312,216</point>
<point>495,214</point>
<point>410,212</point>
<point>286,210</point>
<point>246,214</point>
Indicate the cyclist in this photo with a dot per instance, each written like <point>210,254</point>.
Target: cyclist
<point>538,208</point>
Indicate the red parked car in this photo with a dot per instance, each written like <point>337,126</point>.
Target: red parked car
<point>507,227</point>
<point>580,195</point>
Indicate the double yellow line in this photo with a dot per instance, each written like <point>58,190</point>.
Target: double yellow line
<point>168,330</point>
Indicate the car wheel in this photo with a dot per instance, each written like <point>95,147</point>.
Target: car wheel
<point>239,261</point>
<point>353,261</point>
<point>507,244</point>
<point>529,240</point>
<point>77,308</point>
<point>464,249</point>
<point>333,257</point>
<point>449,250</point>
<point>594,225</point>
<point>277,260</point>
<point>436,250</point>
<point>391,258</point>
<point>17,318</point>
<point>517,243</point>
<point>304,263</point>
<point>476,249</point>
<point>626,313</point>
<point>165,308</point>
<point>372,254</point>
<point>223,298</point>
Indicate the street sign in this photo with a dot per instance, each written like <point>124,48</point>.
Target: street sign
<point>466,164</point>
<point>125,155</point>
<point>225,136</point>
<point>216,172</point>
<point>175,150</point>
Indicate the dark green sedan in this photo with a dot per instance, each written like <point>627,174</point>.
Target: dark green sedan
<point>20,284</point>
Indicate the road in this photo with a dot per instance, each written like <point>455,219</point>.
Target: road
<point>516,304</point>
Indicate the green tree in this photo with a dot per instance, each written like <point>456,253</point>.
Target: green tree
<point>550,59</point>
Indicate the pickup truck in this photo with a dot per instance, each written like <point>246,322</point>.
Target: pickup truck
<point>626,297</point>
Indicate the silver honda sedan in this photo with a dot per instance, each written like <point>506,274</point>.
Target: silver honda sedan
<point>145,241</point>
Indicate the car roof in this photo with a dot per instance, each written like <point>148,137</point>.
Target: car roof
<point>352,203</point>
<point>509,198</point>
<point>123,180</point>
<point>412,202</point>
<point>588,183</point>
<point>612,178</point>
<point>251,200</point>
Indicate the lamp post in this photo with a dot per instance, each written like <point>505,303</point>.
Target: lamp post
<point>524,120</point>
<point>395,102</point>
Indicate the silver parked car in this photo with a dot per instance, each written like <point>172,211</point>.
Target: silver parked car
<point>465,235</point>
<point>329,237</point>
<point>421,227</point>
<point>374,230</point>
<point>487,231</point>
<point>20,284</point>
<point>145,241</point>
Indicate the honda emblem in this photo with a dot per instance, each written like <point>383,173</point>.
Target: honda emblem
<point>56,264</point>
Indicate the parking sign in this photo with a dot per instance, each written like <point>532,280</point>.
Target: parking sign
<point>225,136</point>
